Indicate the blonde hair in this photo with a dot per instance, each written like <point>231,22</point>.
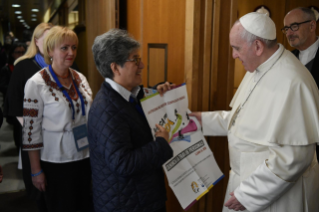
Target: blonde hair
<point>55,37</point>
<point>33,49</point>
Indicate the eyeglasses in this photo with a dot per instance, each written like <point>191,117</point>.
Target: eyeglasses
<point>294,27</point>
<point>137,60</point>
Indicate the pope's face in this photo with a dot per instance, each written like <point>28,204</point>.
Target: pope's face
<point>241,49</point>
<point>297,39</point>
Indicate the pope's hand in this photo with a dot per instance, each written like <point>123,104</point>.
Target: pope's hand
<point>161,132</point>
<point>162,88</point>
<point>234,204</point>
<point>197,115</point>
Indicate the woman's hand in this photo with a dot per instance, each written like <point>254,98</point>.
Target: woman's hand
<point>39,182</point>
<point>162,88</point>
<point>198,116</point>
<point>161,132</point>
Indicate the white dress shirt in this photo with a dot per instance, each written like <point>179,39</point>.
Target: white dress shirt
<point>307,55</point>
<point>123,91</point>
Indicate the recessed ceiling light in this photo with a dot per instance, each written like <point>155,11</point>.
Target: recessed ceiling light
<point>16,5</point>
<point>17,12</point>
<point>19,16</point>
<point>21,20</point>
<point>33,19</point>
<point>35,10</point>
<point>33,15</point>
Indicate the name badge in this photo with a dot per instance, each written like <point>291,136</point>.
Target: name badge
<point>80,134</point>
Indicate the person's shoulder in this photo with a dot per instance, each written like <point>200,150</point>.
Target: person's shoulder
<point>24,62</point>
<point>108,95</point>
<point>77,73</point>
<point>80,79</point>
<point>104,101</point>
<point>39,76</point>
<point>293,71</point>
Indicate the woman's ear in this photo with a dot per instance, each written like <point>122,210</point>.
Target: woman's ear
<point>114,69</point>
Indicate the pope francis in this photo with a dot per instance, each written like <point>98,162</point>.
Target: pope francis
<point>273,126</point>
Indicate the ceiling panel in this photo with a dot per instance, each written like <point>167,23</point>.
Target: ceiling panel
<point>11,21</point>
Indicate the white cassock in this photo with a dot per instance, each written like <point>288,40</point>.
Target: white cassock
<point>272,138</point>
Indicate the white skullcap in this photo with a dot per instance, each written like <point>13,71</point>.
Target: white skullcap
<point>259,24</point>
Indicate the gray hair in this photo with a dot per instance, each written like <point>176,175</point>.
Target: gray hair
<point>308,13</point>
<point>250,38</point>
<point>114,46</point>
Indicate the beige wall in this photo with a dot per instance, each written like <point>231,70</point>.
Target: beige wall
<point>100,17</point>
<point>159,22</point>
<point>81,57</point>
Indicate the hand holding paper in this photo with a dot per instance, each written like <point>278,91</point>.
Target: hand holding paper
<point>162,88</point>
<point>161,132</point>
<point>192,171</point>
<point>197,115</point>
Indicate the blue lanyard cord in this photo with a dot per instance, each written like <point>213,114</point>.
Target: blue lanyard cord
<point>66,93</point>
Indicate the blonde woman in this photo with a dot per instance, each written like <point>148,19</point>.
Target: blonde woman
<point>56,104</point>
<point>24,68</point>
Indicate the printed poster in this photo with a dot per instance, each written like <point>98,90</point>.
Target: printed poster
<point>192,171</point>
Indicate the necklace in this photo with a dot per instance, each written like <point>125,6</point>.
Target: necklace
<point>63,77</point>
<point>72,92</point>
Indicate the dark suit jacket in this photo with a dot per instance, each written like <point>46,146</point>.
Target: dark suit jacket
<point>315,67</point>
<point>315,74</point>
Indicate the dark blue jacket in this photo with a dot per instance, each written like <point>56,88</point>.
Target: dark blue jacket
<point>126,162</point>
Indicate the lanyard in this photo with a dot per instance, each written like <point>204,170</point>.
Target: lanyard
<point>66,93</point>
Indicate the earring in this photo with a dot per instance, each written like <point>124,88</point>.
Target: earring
<point>51,59</point>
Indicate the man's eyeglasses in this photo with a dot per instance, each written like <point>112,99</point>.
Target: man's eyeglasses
<point>137,60</point>
<point>294,27</point>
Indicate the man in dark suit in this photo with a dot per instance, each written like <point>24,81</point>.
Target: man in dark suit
<point>300,30</point>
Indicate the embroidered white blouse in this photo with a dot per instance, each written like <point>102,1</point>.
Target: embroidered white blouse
<point>47,116</point>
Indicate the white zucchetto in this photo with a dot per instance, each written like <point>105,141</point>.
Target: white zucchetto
<point>259,24</point>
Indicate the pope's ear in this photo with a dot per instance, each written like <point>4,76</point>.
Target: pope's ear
<point>259,47</point>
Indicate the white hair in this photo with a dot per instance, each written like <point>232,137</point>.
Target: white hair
<point>250,38</point>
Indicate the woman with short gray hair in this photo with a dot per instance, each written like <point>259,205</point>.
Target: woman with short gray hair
<point>114,46</point>
<point>126,161</point>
